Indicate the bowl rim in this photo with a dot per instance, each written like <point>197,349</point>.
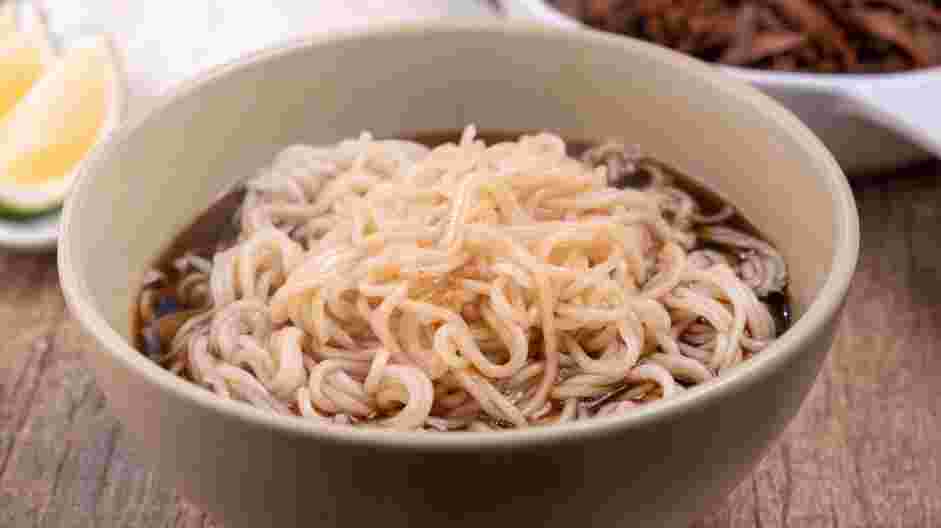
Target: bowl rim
<point>822,309</point>
<point>545,11</point>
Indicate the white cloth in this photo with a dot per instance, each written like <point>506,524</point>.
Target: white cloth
<point>163,42</point>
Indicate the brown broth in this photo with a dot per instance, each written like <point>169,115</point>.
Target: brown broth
<point>215,227</point>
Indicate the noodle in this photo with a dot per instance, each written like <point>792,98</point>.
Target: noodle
<point>380,283</point>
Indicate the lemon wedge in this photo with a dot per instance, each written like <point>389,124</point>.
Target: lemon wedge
<point>76,104</point>
<point>24,57</point>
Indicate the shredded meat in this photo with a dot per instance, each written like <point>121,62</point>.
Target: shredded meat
<point>821,36</point>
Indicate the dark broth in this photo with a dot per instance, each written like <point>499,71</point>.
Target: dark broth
<point>215,228</point>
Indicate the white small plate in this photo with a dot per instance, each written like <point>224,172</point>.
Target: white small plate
<point>30,234</point>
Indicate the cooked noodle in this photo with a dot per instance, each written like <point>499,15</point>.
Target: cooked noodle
<point>468,287</point>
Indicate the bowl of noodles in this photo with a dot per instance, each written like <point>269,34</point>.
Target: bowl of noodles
<point>392,276</point>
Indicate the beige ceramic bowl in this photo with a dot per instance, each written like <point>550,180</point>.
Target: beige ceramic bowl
<point>660,466</point>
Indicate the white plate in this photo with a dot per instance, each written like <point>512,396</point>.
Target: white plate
<point>869,122</point>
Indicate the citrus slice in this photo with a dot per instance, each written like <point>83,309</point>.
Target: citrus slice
<point>51,130</point>
<point>24,57</point>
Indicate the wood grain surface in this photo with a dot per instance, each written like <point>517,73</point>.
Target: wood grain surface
<point>863,452</point>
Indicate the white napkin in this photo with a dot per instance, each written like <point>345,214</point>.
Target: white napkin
<point>163,42</point>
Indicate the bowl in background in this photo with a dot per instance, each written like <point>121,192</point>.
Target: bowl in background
<point>660,466</point>
<point>869,121</point>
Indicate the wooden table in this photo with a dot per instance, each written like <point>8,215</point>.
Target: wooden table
<point>863,452</point>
